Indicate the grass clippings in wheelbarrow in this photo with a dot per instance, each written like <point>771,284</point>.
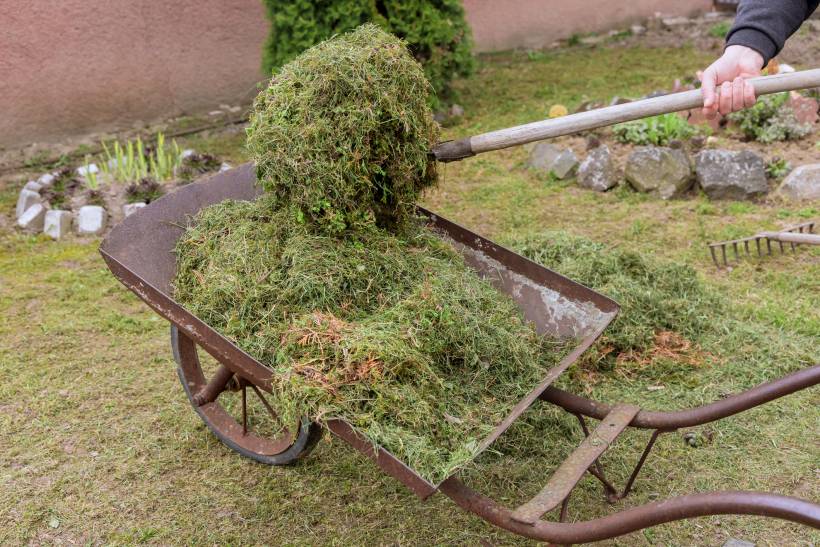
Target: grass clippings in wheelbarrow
<point>394,334</point>
<point>342,133</point>
<point>362,314</point>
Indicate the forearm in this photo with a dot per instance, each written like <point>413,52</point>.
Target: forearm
<point>765,25</point>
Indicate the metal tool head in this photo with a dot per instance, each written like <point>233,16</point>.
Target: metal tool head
<point>762,244</point>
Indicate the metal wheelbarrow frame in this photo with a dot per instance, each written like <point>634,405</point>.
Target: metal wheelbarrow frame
<point>139,252</point>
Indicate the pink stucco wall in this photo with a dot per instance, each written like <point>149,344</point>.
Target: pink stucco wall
<point>69,67</point>
<point>499,25</point>
<point>77,66</point>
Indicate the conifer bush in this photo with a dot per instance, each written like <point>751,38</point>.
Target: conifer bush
<point>435,31</point>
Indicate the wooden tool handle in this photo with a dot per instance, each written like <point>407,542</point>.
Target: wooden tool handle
<point>793,237</point>
<point>601,117</point>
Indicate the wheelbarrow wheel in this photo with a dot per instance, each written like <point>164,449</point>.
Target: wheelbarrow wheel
<point>238,412</point>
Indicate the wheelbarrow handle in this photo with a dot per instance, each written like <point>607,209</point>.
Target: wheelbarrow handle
<point>792,237</point>
<point>602,117</point>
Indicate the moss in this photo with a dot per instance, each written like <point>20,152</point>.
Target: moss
<point>342,133</point>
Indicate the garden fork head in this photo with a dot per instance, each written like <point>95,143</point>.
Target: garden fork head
<point>762,243</point>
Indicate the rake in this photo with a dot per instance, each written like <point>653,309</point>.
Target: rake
<point>802,234</point>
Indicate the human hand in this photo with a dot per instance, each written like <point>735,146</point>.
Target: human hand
<point>730,72</point>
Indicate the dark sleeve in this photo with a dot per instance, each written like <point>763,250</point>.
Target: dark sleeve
<point>764,25</point>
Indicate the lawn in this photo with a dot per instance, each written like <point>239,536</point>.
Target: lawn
<point>100,445</point>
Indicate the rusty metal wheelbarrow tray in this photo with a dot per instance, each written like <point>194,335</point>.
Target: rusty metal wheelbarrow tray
<point>139,252</point>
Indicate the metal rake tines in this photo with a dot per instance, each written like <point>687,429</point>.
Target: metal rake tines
<point>762,243</point>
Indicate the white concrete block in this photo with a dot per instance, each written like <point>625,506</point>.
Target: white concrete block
<point>57,223</point>
<point>32,219</point>
<point>26,199</point>
<point>131,208</point>
<point>33,186</point>
<point>83,170</point>
<point>46,180</point>
<point>91,220</point>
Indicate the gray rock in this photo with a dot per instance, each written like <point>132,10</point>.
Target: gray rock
<point>187,153</point>
<point>46,180</point>
<point>724,174</point>
<point>662,171</point>
<point>597,171</point>
<point>672,22</point>
<point>57,223</point>
<point>33,186</point>
<point>131,208</point>
<point>592,40</point>
<point>802,184</point>
<point>26,199</point>
<point>732,542</point>
<point>224,167</point>
<point>91,220</point>
<point>638,30</point>
<point>550,158</point>
<point>32,219</point>
<point>456,111</point>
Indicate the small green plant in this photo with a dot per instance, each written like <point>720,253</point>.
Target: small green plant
<point>720,30</point>
<point>778,168</point>
<point>771,119</point>
<point>706,208</point>
<point>144,191</point>
<point>135,161</point>
<point>574,40</point>
<point>535,55</point>
<point>92,182</point>
<point>657,130</point>
<point>739,208</point>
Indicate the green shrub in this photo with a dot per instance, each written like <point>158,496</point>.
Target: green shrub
<point>435,31</point>
<point>720,30</point>
<point>771,119</point>
<point>657,130</point>
<point>778,168</point>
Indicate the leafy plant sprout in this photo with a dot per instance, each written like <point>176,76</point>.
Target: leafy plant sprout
<point>92,182</point>
<point>657,130</point>
<point>135,161</point>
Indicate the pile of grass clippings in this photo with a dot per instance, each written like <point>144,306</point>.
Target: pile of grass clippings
<point>342,132</point>
<point>656,298</point>
<point>394,334</point>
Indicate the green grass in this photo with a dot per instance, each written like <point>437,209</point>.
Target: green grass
<point>98,439</point>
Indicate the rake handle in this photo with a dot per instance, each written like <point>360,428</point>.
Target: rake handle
<point>602,117</point>
<point>792,237</point>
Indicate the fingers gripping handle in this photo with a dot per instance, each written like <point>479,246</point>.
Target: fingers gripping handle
<point>602,117</point>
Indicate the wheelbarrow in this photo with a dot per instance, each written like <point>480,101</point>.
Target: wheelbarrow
<point>140,253</point>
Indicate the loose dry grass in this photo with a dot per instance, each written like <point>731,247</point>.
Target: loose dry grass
<point>342,132</point>
<point>394,334</point>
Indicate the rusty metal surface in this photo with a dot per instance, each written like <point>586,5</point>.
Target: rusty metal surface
<point>386,461</point>
<point>285,448</point>
<point>564,479</point>
<point>637,518</point>
<point>139,252</point>
<point>668,421</point>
